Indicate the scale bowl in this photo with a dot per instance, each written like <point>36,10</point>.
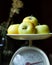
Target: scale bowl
<point>29,36</point>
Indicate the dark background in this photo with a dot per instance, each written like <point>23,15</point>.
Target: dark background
<point>42,9</point>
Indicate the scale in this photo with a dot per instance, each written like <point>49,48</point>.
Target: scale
<point>29,55</point>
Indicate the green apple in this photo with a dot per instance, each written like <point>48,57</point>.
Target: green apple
<point>13,29</point>
<point>26,28</point>
<point>42,29</point>
<point>31,19</point>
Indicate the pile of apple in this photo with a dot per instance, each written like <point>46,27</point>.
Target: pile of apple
<point>29,25</point>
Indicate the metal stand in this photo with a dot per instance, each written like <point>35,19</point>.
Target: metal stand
<point>30,43</point>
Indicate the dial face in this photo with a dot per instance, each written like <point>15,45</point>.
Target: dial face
<point>30,56</point>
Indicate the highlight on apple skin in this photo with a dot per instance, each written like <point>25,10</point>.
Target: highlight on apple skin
<point>42,29</point>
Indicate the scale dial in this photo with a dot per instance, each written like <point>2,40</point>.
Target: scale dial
<point>29,56</point>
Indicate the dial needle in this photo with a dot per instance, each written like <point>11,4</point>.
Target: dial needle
<point>28,63</point>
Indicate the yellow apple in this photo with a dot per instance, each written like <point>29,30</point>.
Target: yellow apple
<point>13,29</point>
<point>31,19</point>
<point>26,28</point>
<point>42,29</point>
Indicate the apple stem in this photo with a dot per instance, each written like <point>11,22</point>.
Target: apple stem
<point>30,43</point>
